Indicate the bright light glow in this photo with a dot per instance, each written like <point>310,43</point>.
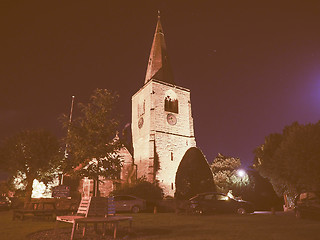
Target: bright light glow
<point>171,94</point>
<point>19,181</point>
<point>40,190</point>
<point>241,173</point>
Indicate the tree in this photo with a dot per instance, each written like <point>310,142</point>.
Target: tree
<point>225,175</point>
<point>291,160</point>
<point>32,155</point>
<point>265,162</point>
<point>194,175</point>
<point>261,193</point>
<point>91,142</point>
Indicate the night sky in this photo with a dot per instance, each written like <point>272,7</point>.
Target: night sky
<point>252,68</point>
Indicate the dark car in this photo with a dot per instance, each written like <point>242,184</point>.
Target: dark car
<point>213,202</point>
<point>129,203</point>
<point>307,205</point>
<point>5,202</point>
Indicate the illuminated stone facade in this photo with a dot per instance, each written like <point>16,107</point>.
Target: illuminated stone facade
<point>160,137</point>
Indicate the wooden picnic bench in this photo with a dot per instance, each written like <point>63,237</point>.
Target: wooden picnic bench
<point>39,209</point>
<point>94,210</point>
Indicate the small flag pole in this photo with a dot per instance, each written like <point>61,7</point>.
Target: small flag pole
<point>66,148</point>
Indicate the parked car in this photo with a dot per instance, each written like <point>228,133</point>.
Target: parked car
<point>307,205</point>
<point>5,202</point>
<point>129,203</point>
<point>213,202</point>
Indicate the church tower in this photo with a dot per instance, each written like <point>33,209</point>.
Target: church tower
<point>162,123</point>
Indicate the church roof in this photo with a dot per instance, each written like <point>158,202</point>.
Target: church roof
<point>159,67</point>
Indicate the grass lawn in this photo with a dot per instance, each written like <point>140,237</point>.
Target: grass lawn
<point>168,226</point>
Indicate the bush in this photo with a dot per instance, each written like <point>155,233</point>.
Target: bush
<point>193,175</point>
<point>141,189</point>
<point>150,192</point>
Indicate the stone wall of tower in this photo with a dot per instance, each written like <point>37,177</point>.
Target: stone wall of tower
<point>159,146</point>
<point>143,138</point>
<point>170,149</point>
<point>171,141</point>
<point>184,125</point>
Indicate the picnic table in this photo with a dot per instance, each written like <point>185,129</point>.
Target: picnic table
<point>39,209</point>
<point>113,220</point>
<point>94,210</point>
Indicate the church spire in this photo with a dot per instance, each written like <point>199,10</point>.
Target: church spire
<point>159,67</point>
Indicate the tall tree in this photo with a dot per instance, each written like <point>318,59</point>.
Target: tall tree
<point>291,160</point>
<point>32,155</point>
<point>92,144</point>
<point>225,175</point>
<point>194,175</point>
<point>266,163</point>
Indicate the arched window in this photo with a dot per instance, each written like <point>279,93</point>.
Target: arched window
<point>141,108</point>
<point>171,102</point>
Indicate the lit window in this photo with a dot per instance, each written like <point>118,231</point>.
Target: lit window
<point>171,102</point>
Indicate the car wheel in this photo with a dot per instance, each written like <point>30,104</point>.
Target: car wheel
<point>135,209</point>
<point>201,211</point>
<point>241,211</point>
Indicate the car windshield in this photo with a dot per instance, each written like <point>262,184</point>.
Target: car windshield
<point>213,196</point>
<point>308,196</point>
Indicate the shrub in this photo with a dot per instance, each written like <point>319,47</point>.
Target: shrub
<point>141,189</point>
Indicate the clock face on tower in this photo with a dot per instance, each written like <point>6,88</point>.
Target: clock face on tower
<point>172,120</point>
<point>140,122</point>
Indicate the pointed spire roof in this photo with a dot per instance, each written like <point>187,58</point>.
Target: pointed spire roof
<point>159,67</point>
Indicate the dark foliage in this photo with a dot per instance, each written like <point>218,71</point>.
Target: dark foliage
<point>291,160</point>
<point>31,154</point>
<point>152,193</point>
<point>142,189</point>
<point>194,175</point>
<point>91,142</point>
<point>261,193</point>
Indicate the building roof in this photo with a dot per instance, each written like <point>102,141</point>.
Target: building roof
<point>159,67</point>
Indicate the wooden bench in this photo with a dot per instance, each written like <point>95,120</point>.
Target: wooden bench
<point>39,209</point>
<point>94,210</point>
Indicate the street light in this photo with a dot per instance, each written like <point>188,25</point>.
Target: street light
<point>241,173</point>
